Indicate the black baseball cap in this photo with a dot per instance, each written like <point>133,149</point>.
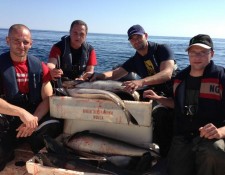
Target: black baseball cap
<point>201,40</point>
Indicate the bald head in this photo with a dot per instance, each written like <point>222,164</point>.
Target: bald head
<point>18,27</point>
<point>19,40</point>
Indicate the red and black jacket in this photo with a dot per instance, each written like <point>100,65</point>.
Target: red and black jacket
<point>211,102</point>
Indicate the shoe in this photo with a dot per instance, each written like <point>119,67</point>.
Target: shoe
<point>8,158</point>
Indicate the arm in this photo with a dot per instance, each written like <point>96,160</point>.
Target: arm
<point>165,74</point>
<point>92,62</point>
<point>52,62</point>
<point>90,69</point>
<point>43,107</point>
<point>53,56</point>
<point>55,73</point>
<point>115,74</point>
<point>88,73</point>
<point>168,102</point>
<point>109,75</point>
<point>28,119</point>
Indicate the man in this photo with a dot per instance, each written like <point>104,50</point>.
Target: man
<point>198,146</point>
<point>155,64</point>
<point>72,55</point>
<point>25,82</point>
<point>152,62</point>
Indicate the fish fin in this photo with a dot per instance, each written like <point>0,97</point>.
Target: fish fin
<point>133,120</point>
<point>54,146</point>
<point>130,118</point>
<point>61,92</point>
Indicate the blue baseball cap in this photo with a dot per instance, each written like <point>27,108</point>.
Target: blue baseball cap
<point>135,29</point>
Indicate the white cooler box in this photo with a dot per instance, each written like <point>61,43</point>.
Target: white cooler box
<point>104,117</point>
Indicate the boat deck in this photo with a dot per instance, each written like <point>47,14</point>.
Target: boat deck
<point>18,165</point>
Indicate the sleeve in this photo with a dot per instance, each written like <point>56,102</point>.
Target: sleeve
<point>164,52</point>
<point>55,51</point>
<point>129,65</point>
<point>46,73</point>
<point>223,93</point>
<point>92,61</point>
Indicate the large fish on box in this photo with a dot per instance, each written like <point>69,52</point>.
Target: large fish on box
<point>102,94</point>
<point>98,144</point>
<point>107,85</point>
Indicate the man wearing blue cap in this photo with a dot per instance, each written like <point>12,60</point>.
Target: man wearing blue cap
<point>154,64</point>
<point>198,145</point>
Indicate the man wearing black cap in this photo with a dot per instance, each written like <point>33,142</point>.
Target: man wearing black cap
<point>155,65</point>
<point>198,146</point>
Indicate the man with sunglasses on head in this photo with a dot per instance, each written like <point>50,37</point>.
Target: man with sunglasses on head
<point>155,65</point>
<point>198,145</point>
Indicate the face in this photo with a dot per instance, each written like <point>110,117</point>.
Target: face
<point>19,41</point>
<point>199,58</point>
<point>139,42</point>
<point>78,35</point>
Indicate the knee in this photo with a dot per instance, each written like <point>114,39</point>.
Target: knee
<point>159,112</point>
<point>208,153</point>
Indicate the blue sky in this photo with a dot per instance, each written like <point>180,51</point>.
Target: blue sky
<point>158,17</point>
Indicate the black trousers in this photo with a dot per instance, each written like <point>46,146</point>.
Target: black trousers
<point>47,126</point>
<point>163,119</point>
<point>196,157</point>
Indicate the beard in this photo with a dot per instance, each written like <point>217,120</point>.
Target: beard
<point>140,45</point>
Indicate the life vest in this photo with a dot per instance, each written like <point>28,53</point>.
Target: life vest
<point>9,87</point>
<point>73,71</point>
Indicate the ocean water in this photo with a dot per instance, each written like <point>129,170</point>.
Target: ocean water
<point>113,50</point>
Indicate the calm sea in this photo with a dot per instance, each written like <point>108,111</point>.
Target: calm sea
<point>113,49</point>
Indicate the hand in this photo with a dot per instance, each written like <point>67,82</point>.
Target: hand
<point>210,131</point>
<point>28,119</point>
<point>86,76</point>
<point>56,73</point>
<point>151,95</point>
<point>24,131</point>
<point>131,86</point>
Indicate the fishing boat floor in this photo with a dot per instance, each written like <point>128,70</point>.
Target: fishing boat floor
<point>18,165</point>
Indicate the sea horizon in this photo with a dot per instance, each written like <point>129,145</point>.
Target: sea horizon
<point>48,30</point>
<point>113,49</point>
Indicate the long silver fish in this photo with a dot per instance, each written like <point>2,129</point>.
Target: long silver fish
<point>98,144</point>
<point>54,146</point>
<point>107,85</point>
<point>102,94</point>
